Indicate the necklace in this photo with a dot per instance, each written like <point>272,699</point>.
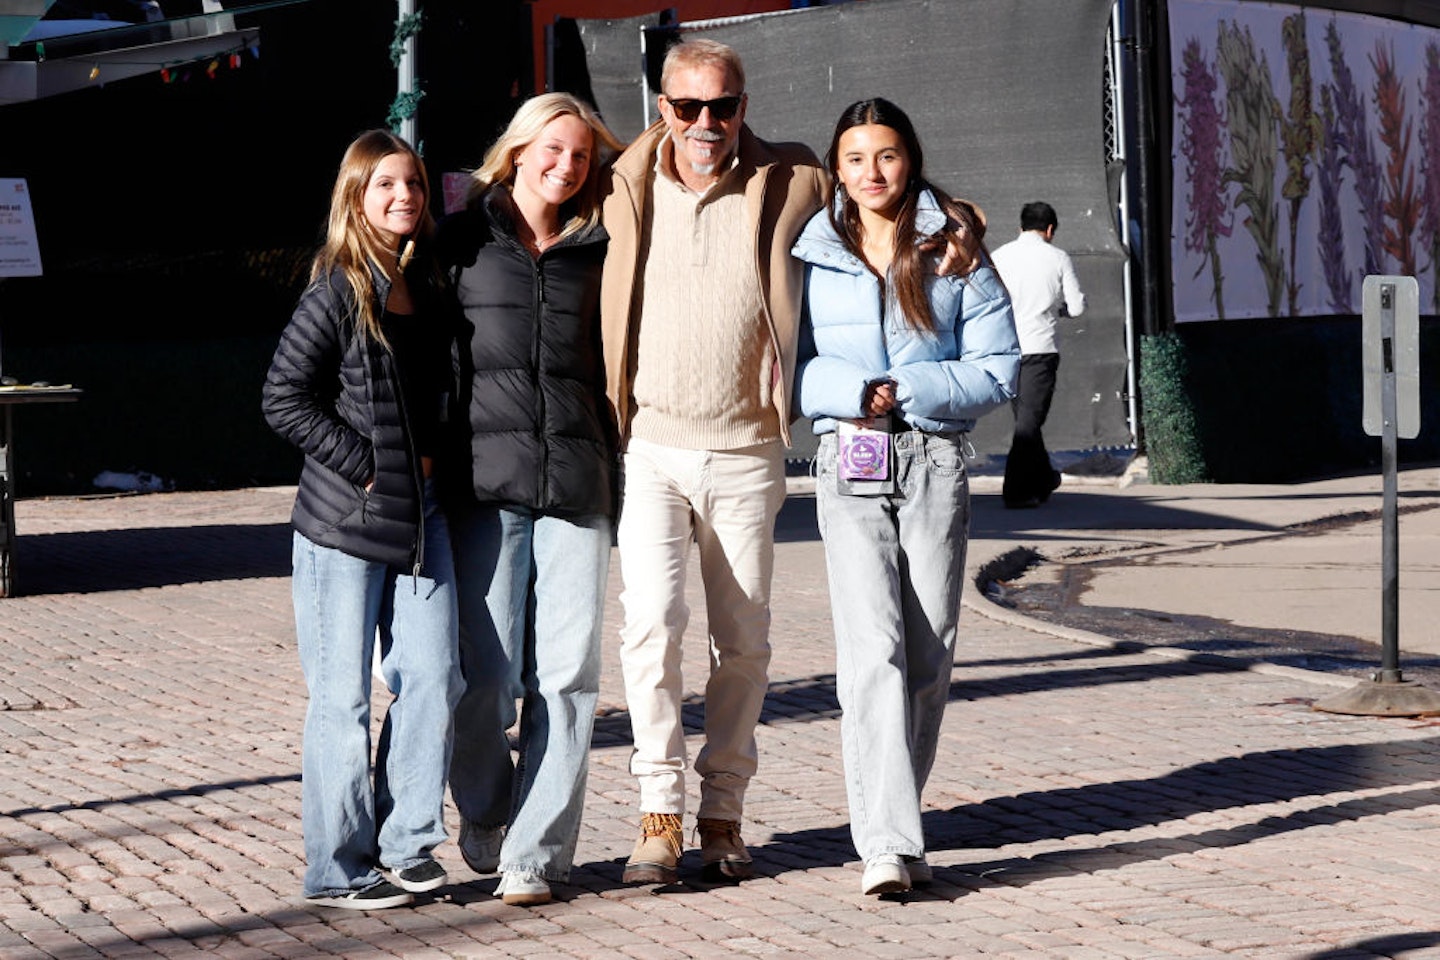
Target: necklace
<point>538,244</point>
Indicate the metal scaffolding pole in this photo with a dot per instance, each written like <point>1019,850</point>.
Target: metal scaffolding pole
<point>407,77</point>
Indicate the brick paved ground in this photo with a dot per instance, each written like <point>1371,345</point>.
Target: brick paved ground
<point>1086,803</point>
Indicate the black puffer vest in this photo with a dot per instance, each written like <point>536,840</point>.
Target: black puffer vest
<point>530,369</point>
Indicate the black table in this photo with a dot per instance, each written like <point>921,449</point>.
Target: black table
<point>10,398</point>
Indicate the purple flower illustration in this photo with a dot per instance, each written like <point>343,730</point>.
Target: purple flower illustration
<point>1201,125</point>
<point>1430,163</point>
<point>1355,143</point>
<point>1330,172</point>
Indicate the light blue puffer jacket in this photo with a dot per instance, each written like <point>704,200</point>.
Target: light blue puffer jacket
<point>944,380</point>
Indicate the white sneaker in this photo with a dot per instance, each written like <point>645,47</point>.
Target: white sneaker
<point>520,889</point>
<point>919,870</point>
<point>885,874</point>
<point>481,847</point>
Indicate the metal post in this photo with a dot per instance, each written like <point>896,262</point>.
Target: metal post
<point>1391,409</point>
<point>1389,523</point>
<point>550,56</point>
<point>1132,363</point>
<point>7,503</point>
<point>409,126</point>
<point>1148,100</point>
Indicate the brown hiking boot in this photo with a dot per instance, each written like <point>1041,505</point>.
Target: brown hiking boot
<point>723,852</point>
<point>656,858</point>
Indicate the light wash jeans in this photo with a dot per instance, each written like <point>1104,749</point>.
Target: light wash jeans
<point>341,603</point>
<point>896,565</point>
<point>532,593</point>
<point>727,501</point>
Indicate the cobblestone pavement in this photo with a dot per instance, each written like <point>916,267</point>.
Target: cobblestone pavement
<point>1086,803</point>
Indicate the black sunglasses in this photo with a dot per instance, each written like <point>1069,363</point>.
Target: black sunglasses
<point>721,108</point>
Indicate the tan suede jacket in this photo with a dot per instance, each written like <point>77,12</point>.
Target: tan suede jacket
<point>787,187</point>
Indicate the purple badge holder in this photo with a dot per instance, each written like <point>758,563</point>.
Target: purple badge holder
<point>864,457</point>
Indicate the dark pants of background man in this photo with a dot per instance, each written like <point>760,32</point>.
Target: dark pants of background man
<point>1029,477</point>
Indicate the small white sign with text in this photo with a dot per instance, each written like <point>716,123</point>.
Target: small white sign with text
<point>19,249</point>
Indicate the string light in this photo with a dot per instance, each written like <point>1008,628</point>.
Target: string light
<point>168,69</point>
<point>232,59</point>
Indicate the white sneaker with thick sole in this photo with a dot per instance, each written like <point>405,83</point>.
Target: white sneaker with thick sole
<point>523,889</point>
<point>885,874</point>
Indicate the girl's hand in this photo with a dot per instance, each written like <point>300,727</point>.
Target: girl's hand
<point>879,398</point>
<point>961,256</point>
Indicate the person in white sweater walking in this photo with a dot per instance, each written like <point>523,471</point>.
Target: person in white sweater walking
<point>1043,288</point>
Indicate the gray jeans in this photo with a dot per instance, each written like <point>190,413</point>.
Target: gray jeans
<point>896,565</point>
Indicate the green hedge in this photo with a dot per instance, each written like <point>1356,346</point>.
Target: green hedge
<point>1172,440</point>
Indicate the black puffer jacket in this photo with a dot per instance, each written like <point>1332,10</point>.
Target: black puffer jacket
<point>530,368</point>
<point>336,396</point>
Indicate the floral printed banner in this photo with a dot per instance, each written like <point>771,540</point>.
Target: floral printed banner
<point>1306,156</point>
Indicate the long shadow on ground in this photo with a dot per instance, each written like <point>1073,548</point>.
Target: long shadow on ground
<point>1261,778</point>
<point>95,561</point>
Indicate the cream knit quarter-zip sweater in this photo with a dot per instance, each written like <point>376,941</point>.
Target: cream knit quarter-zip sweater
<point>783,184</point>
<point>704,362</point>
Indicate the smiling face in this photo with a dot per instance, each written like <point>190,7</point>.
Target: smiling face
<point>552,168</point>
<point>705,141</point>
<point>874,167</point>
<point>395,197</point>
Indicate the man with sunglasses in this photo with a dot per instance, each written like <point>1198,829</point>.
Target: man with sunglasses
<point>700,307</point>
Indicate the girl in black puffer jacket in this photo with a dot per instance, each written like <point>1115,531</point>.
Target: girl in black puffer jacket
<point>532,528</point>
<point>360,383</point>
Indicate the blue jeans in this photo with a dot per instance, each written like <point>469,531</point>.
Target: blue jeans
<point>896,565</point>
<point>531,598</point>
<point>341,603</point>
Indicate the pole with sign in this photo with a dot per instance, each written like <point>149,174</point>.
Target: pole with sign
<point>19,257</point>
<point>1391,409</point>
<point>19,249</point>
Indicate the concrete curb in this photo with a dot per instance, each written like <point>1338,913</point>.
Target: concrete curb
<point>1012,562</point>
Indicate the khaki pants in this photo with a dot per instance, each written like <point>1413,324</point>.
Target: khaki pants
<point>726,501</point>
